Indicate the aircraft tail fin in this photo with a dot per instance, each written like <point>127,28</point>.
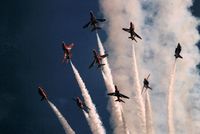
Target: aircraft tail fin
<point>132,38</point>
<point>150,88</point>
<point>120,100</point>
<point>100,65</point>
<point>178,56</point>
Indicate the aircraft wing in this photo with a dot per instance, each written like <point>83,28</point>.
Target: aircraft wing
<point>122,101</point>
<point>103,56</point>
<point>94,53</point>
<point>137,36</point>
<point>123,96</point>
<point>111,94</point>
<point>126,29</point>
<point>86,106</point>
<point>92,64</point>
<point>86,25</point>
<point>148,76</point>
<point>68,47</point>
<point>101,20</point>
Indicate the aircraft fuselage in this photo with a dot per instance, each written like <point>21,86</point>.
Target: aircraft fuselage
<point>42,93</point>
<point>79,103</point>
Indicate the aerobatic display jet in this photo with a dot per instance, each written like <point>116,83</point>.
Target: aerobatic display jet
<point>81,104</point>
<point>118,95</point>
<point>42,93</point>
<point>94,22</point>
<point>146,84</point>
<point>67,51</point>
<point>132,32</point>
<point>97,59</point>
<point>178,51</point>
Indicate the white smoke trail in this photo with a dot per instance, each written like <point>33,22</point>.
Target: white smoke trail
<point>120,13</point>
<point>63,122</point>
<point>163,24</point>
<point>95,121</point>
<point>166,24</point>
<point>126,130</point>
<point>139,100</point>
<point>170,106</point>
<point>87,117</point>
<point>169,25</point>
<point>106,68</point>
<point>114,107</point>
<point>148,112</point>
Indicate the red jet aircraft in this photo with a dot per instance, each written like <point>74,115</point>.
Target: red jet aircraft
<point>67,51</point>
<point>42,93</point>
<point>132,32</point>
<point>98,59</point>
<point>81,104</point>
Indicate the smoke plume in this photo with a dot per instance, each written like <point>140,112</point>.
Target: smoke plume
<point>170,98</point>
<point>114,107</point>
<point>148,112</point>
<point>94,119</point>
<point>161,24</point>
<point>63,122</point>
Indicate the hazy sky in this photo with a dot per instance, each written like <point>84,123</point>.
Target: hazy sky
<point>31,33</point>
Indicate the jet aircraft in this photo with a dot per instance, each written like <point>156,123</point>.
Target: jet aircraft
<point>97,59</point>
<point>146,84</point>
<point>177,51</point>
<point>42,93</point>
<point>81,104</point>
<point>94,22</point>
<point>118,95</point>
<point>67,51</point>
<point>130,30</point>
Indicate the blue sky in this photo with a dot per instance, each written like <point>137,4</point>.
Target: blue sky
<point>31,55</point>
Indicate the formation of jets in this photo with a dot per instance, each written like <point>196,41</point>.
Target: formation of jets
<point>97,59</point>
